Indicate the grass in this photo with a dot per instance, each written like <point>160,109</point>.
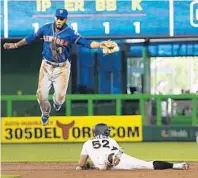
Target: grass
<point>167,151</point>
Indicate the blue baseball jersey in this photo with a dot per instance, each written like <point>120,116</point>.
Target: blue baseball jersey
<point>57,45</point>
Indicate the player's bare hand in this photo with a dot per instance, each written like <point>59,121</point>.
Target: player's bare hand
<point>10,46</point>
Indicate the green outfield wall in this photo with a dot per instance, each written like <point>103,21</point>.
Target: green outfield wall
<point>119,102</point>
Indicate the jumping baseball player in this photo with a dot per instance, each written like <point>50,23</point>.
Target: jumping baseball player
<point>58,39</point>
<point>106,154</point>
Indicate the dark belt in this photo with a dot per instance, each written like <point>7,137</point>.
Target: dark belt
<point>55,65</point>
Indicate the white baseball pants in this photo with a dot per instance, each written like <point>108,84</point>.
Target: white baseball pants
<point>129,163</point>
<point>56,76</point>
<point>126,163</point>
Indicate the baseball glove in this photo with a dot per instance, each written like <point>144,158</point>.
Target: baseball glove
<point>113,160</point>
<point>87,166</point>
<point>109,47</point>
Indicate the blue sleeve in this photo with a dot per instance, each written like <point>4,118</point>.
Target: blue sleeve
<point>78,39</point>
<point>34,36</point>
<point>84,42</point>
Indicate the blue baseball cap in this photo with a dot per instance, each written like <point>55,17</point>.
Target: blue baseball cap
<point>61,13</point>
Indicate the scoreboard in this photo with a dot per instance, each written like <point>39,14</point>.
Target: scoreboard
<point>104,18</point>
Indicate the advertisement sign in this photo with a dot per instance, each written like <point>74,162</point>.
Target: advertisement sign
<point>170,133</point>
<point>69,129</point>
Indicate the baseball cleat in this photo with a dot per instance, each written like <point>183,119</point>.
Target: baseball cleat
<point>56,106</point>
<point>185,165</point>
<point>181,166</point>
<point>44,119</point>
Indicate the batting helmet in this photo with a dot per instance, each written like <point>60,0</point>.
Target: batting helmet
<point>101,129</point>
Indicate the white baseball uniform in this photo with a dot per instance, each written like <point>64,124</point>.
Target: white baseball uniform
<point>98,149</point>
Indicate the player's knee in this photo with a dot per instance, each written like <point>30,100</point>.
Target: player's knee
<point>41,97</point>
<point>60,98</point>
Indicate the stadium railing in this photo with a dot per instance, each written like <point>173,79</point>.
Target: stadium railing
<point>143,98</point>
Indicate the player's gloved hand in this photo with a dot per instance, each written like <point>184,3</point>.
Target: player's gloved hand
<point>109,47</point>
<point>10,46</point>
<point>114,158</point>
<point>88,165</point>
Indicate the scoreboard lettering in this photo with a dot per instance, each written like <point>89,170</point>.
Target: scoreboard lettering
<point>104,18</point>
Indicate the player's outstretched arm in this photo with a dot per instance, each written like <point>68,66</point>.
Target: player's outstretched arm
<point>107,47</point>
<point>26,40</point>
<point>15,45</point>
<point>82,162</point>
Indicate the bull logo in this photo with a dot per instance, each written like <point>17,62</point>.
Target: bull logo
<point>65,128</point>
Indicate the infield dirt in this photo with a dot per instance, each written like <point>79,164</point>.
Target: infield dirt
<point>67,170</point>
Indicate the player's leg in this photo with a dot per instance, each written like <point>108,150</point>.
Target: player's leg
<point>128,162</point>
<point>158,165</point>
<point>44,85</point>
<point>60,82</point>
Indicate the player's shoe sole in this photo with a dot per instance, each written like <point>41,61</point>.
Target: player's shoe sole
<point>44,119</point>
<point>181,166</point>
<point>185,166</point>
<point>56,106</point>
